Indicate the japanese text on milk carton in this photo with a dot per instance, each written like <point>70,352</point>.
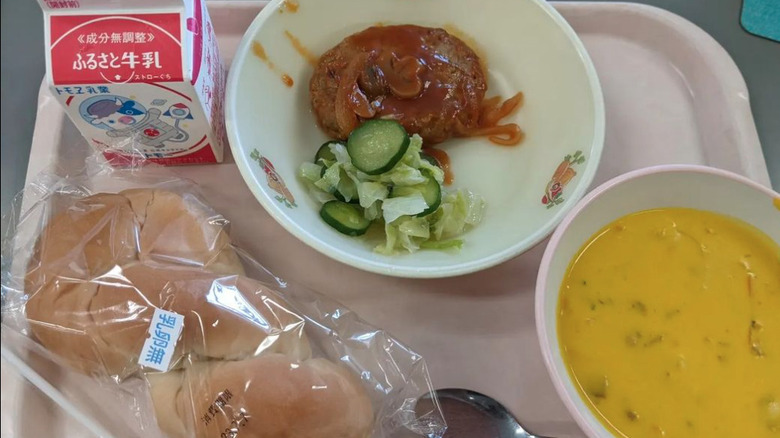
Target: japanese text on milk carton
<point>141,75</point>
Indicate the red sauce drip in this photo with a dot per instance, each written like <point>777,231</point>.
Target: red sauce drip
<point>300,48</point>
<point>444,162</point>
<point>259,51</point>
<point>288,80</point>
<point>493,110</point>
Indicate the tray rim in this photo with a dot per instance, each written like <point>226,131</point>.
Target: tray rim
<point>722,66</point>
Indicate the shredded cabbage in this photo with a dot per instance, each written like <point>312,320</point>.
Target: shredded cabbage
<point>403,230</point>
<point>319,195</point>
<point>330,180</point>
<point>458,209</point>
<point>369,192</point>
<point>340,152</point>
<point>402,175</point>
<point>393,208</point>
<point>454,244</point>
<point>347,187</point>
<point>413,231</point>
<point>374,211</point>
<point>310,172</point>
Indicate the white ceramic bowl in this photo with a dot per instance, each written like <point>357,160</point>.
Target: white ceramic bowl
<point>698,187</point>
<point>527,46</point>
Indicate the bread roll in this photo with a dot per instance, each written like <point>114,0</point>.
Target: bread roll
<point>102,266</point>
<point>59,317</point>
<point>100,326</point>
<point>270,396</point>
<point>96,233</point>
<point>172,412</point>
<point>181,229</point>
<point>234,318</point>
<point>88,238</point>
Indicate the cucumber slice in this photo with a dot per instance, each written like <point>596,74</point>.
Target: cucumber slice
<point>325,153</point>
<point>377,146</point>
<point>345,218</point>
<point>430,190</point>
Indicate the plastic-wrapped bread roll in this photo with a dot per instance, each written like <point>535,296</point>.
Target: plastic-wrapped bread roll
<point>172,412</point>
<point>89,237</point>
<point>86,301</point>
<point>119,286</point>
<point>225,317</point>
<point>59,317</point>
<point>179,228</point>
<point>100,326</point>
<point>269,396</point>
<point>93,234</point>
<point>234,318</point>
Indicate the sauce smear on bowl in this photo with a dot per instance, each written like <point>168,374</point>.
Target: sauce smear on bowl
<point>669,324</point>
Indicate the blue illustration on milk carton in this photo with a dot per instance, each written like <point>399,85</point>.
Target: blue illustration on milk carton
<point>125,118</point>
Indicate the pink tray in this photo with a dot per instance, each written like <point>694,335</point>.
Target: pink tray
<point>673,95</point>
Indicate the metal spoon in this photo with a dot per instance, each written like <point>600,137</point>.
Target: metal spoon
<point>470,414</point>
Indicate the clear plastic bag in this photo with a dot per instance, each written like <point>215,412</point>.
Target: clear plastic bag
<point>129,278</point>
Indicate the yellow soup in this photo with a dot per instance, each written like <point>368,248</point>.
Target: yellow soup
<point>669,323</point>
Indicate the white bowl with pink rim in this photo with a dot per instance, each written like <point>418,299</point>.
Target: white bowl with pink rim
<point>689,186</point>
<point>528,47</point>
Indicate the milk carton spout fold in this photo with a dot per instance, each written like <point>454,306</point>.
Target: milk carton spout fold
<point>139,76</point>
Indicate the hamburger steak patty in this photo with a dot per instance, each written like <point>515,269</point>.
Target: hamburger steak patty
<point>428,80</point>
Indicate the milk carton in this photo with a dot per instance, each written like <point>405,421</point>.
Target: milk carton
<point>140,74</point>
